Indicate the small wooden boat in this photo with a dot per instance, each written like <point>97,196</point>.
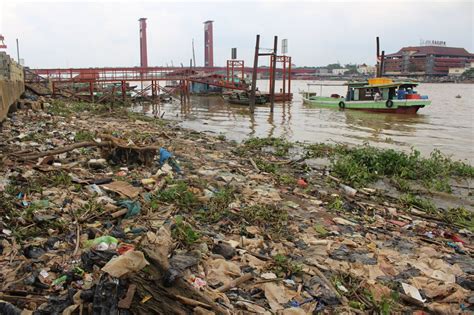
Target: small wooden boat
<point>243,98</point>
<point>377,95</point>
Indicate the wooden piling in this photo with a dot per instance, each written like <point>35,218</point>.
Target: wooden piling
<point>254,75</point>
<point>273,73</point>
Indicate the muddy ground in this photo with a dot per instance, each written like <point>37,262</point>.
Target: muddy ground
<point>110,212</point>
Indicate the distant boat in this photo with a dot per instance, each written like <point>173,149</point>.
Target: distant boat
<point>243,98</point>
<point>377,95</point>
<point>458,96</point>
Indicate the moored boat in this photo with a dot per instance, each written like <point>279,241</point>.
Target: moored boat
<point>377,94</point>
<point>243,98</point>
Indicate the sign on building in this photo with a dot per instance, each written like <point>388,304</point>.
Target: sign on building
<point>284,46</point>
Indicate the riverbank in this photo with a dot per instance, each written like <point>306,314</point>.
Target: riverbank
<point>263,226</point>
<point>443,125</point>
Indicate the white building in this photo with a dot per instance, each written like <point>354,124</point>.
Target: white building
<point>365,69</point>
<point>339,71</point>
<point>456,71</point>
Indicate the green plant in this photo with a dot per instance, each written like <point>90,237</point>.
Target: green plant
<point>401,184</point>
<point>409,200</point>
<point>177,192</point>
<point>272,217</point>
<point>459,216</point>
<point>384,306</point>
<point>280,145</point>
<point>336,204</point>
<point>285,179</point>
<point>318,150</point>
<point>59,178</point>
<point>219,203</point>
<point>285,267</point>
<point>352,171</point>
<point>84,135</point>
<point>267,166</point>
<point>359,166</point>
<point>183,232</point>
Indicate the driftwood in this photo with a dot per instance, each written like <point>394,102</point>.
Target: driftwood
<point>235,283</point>
<point>112,148</point>
<point>85,144</point>
<point>254,165</point>
<point>181,297</point>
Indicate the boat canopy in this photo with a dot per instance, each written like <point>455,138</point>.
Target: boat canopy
<point>363,85</point>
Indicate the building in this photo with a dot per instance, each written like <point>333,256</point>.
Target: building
<point>455,72</point>
<point>366,70</point>
<point>339,71</point>
<point>322,71</point>
<point>426,61</point>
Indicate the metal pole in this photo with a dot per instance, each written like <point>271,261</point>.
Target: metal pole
<point>378,56</point>
<point>232,78</point>
<point>272,92</point>
<point>254,75</point>
<point>289,77</point>
<point>382,63</point>
<point>270,77</point>
<point>284,78</point>
<point>194,56</point>
<point>18,51</point>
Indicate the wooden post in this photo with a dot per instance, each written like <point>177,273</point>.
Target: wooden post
<point>270,76</point>
<point>123,90</point>
<point>272,91</point>
<point>188,93</point>
<point>254,75</point>
<point>113,95</point>
<point>91,91</point>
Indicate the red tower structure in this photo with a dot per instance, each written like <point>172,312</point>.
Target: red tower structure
<point>143,49</point>
<point>208,45</point>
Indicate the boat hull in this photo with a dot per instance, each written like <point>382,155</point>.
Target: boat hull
<point>410,106</point>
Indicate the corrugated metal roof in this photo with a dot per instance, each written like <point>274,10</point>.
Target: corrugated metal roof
<point>434,50</point>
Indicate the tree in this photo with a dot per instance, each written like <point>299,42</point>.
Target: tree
<point>332,66</point>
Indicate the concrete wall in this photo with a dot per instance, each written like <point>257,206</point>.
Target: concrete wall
<point>12,83</point>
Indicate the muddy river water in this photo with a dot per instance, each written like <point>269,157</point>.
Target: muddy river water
<point>446,125</point>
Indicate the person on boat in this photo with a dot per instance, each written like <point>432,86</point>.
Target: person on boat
<point>377,96</point>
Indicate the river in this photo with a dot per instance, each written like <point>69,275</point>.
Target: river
<point>446,125</point>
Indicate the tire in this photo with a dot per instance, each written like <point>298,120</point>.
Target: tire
<point>389,103</point>
<point>342,105</point>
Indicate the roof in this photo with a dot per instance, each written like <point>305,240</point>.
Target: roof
<point>389,85</point>
<point>434,50</point>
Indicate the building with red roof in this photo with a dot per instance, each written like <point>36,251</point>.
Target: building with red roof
<point>426,61</point>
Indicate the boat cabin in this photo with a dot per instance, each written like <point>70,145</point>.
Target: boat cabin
<point>384,90</point>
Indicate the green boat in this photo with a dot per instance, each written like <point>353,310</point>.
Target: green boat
<point>377,95</point>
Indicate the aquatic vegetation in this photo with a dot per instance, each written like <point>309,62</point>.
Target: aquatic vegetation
<point>362,165</point>
<point>409,200</point>
<point>280,145</point>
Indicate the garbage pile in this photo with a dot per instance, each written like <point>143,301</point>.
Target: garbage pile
<point>112,212</point>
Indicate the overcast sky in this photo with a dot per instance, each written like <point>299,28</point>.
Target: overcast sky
<point>105,33</point>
